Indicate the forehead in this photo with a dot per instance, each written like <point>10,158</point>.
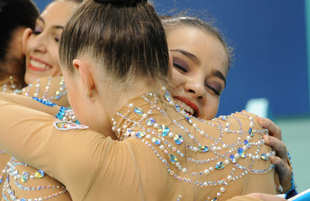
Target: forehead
<point>208,48</point>
<point>58,12</point>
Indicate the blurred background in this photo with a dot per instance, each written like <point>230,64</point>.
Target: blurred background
<point>271,71</point>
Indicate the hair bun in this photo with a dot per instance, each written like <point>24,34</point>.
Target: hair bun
<point>122,2</point>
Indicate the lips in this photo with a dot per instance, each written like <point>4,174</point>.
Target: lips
<point>187,105</point>
<point>38,65</point>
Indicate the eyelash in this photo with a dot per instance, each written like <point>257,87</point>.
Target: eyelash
<point>180,67</point>
<point>37,32</point>
<point>214,90</point>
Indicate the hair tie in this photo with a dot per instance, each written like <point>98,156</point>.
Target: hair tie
<point>122,2</point>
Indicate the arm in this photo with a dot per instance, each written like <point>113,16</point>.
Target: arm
<point>41,145</point>
<point>30,103</point>
<point>74,157</point>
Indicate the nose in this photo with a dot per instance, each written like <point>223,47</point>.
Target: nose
<point>196,89</point>
<point>39,43</point>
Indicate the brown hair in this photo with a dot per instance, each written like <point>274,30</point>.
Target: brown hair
<point>171,23</point>
<point>125,38</point>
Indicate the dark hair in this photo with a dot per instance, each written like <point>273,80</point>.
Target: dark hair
<point>126,40</point>
<point>171,23</point>
<point>13,15</point>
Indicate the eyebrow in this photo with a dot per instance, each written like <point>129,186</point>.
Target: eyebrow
<point>193,57</point>
<point>55,26</point>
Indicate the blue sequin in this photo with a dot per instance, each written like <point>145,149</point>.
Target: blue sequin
<point>47,103</point>
<point>61,113</point>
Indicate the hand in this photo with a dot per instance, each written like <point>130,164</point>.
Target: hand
<point>265,197</point>
<point>274,140</point>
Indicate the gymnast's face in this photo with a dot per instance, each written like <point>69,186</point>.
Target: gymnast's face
<point>200,67</point>
<point>41,45</point>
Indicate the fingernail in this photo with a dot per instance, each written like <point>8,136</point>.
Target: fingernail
<point>266,137</point>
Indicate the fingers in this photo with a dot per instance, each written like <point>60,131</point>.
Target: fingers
<point>266,197</point>
<point>280,161</point>
<point>278,145</point>
<point>283,168</point>
<point>274,130</point>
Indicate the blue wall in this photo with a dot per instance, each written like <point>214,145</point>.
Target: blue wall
<point>269,38</point>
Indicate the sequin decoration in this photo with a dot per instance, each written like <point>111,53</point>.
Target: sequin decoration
<point>177,108</point>
<point>173,159</point>
<point>241,152</point>
<point>57,95</point>
<point>61,113</point>
<point>156,141</point>
<point>140,134</point>
<point>163,130</point>
<point>251,132</point>
<point>203,149</point>
<point>219,152</point>
<point>47,103</point>
<point>25,177</point>
<point>39,174</point>
<point>214,199</point>
<point>178,139</point>
<point>138,111</point>
<point>264,157</point>
<point>150,121</point>
<point>232,158</point>
<point>167,96</point>
<point>247,143</point>
<point>220,165</point>
<point>63,126</point>
<point>189,120</point>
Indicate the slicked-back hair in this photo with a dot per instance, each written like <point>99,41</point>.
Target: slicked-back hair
<point>126,41</point>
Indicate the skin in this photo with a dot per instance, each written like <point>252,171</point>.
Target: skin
<point>88,80</point>
<point>41,45</point>
<point>200,67</point>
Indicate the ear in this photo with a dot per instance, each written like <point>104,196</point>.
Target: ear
<point>82,68</point>
<point>26,35</point>
<point>170,63</point>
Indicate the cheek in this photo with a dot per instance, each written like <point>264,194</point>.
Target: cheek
<point>55,56</point>
<point>211,108</point>
<point>177,78</point>
<point>30,44</point>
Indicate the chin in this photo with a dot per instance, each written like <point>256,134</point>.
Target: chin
<point>29,79</point>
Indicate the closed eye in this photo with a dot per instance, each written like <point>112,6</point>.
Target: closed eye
<point>37,32</point>
<point>180,67</point>
<point>214,90</point>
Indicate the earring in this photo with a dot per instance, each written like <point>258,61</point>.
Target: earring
<point>88,96</point>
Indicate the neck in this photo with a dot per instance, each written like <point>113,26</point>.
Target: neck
<point>117,97</point>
